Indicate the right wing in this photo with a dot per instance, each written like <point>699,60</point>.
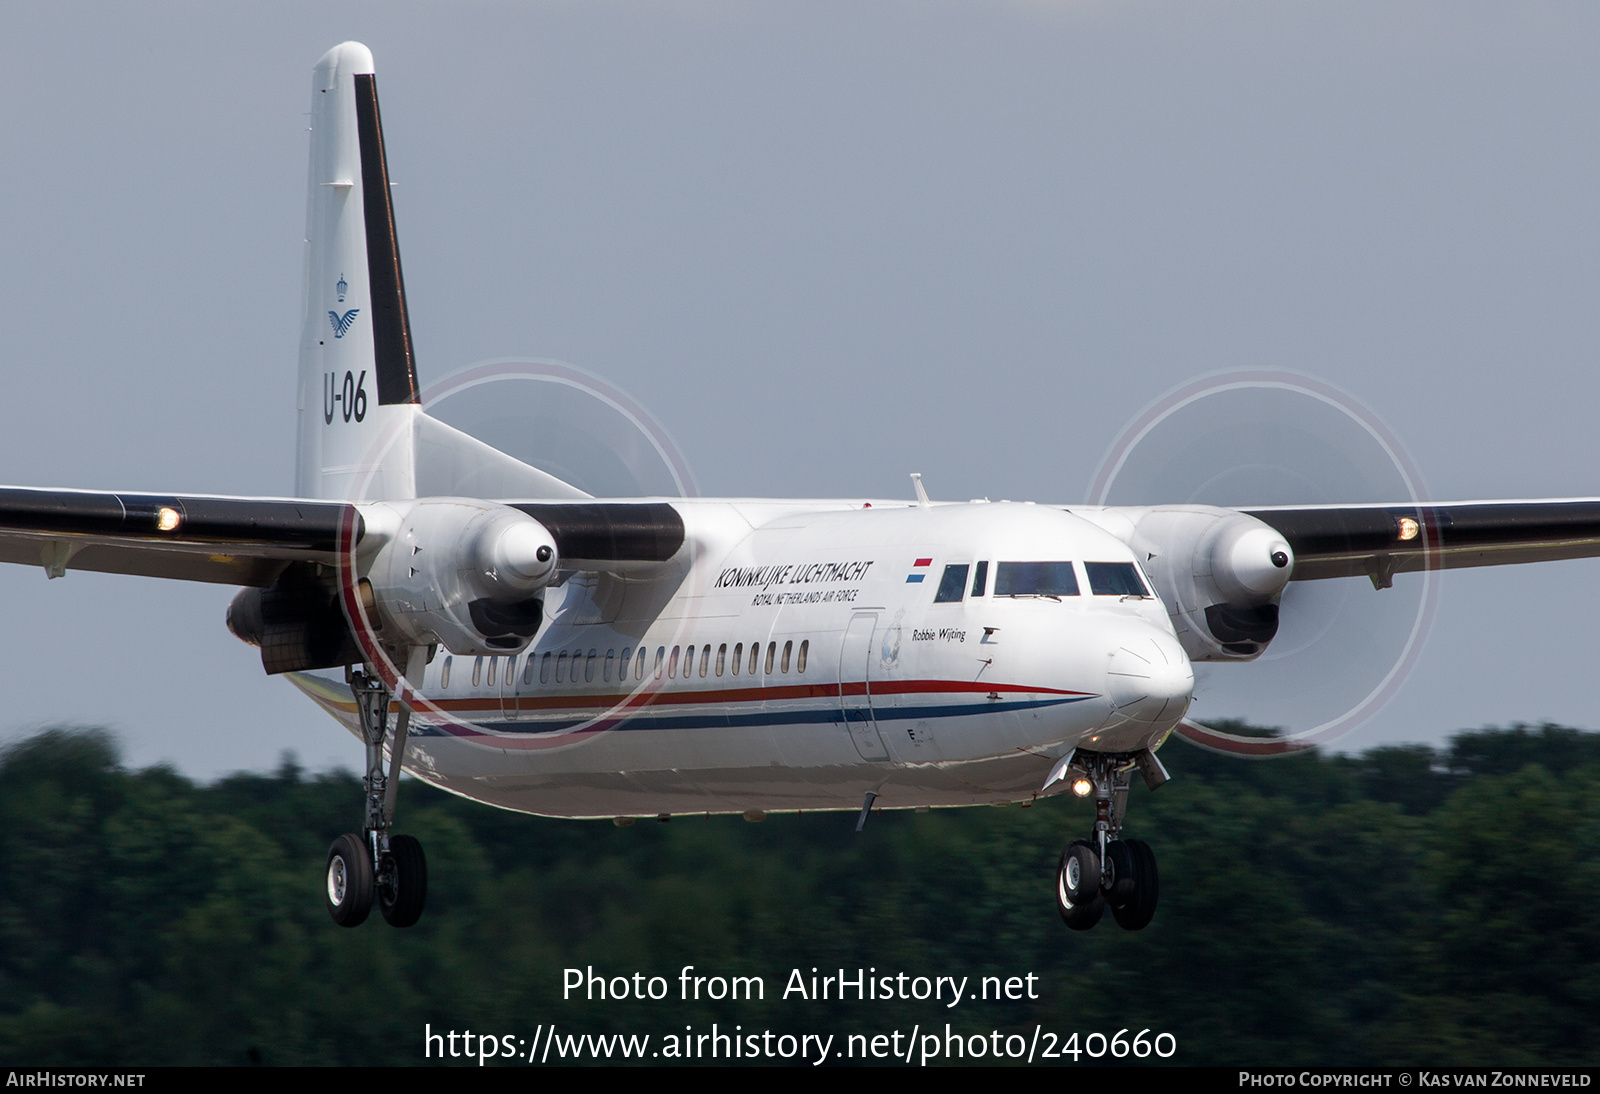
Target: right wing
<point>1378,541</point>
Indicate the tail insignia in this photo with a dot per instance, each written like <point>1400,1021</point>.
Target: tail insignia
<point>341,323</point>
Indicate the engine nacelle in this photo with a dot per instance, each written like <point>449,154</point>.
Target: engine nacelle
<point>1219,572</point>
<point>467,574</point>
<point>296,621</point>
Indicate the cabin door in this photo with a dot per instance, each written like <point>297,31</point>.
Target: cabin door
<point>855,688</point>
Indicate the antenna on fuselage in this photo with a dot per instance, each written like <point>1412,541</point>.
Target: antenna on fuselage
<point>866,810</point>
<point>922,495</point>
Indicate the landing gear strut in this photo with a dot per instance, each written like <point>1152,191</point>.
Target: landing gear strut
<point>1107,870</point>
<point>377,863</point>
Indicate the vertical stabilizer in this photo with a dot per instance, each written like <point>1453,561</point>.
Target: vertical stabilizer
<point>358,376</point>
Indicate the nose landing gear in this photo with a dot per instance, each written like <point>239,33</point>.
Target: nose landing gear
<point>1135,885</point>
<point>375,863</point>
<point>1078,895</point>
<point>1107,870</point>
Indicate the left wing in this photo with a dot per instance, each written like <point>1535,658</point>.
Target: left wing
<point>228,541</point>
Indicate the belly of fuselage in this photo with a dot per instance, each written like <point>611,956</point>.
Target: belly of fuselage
<point>755,756</point>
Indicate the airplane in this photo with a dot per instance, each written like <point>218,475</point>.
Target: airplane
<point>496,632</point>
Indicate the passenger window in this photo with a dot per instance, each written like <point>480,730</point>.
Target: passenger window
<point>722,656</point>
<point>622,666</point>
<point>980,578</point>
<point>661,653</point>
<point>672,663</point>
<point>772,652</point>
<point>755,653</point>
<point>788,648</point>
<point>738,656</point>
<point>638,665</point>
<point>493,661</point>
<point>805,648</point>
<point>952,585</point>
<point>588,667</point>
<point>444,673</point>
<point>561,667</point>
<point>611,656</point>
<point>477,671</point>
<point>705,658</point>
<point>544,667</point>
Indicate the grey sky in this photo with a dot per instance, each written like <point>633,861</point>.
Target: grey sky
<point>826,244</point>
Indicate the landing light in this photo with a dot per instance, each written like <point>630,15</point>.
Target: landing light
<point>1081,787</point>
<point>166,518</point>
<point>1408,528</point>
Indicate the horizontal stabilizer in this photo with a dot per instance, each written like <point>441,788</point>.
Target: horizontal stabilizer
<point>453,464</point>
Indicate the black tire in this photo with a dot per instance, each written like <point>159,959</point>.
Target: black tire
<point>1078,875</point>
<point>1119,874</point>
<point>1084,916</point>
<point>404,889</point>
<point>349,881</point>
<point>1079,901</point>
<point>1136,914</point>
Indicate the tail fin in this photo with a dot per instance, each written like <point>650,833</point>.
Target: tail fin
<point>358,377</point>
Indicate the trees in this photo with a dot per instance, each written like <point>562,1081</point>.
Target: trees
<point>1406,906</point>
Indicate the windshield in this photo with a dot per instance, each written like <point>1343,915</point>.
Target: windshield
<point>1115,579</point>
<point>1035,579</point>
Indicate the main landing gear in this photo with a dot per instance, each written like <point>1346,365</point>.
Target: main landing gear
<point>376,864</point>
<point>1106,870</point>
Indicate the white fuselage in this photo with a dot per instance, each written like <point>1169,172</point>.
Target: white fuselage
<point>793,656</point>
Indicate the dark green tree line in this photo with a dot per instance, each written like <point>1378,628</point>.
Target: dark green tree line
<point>1410,905</point>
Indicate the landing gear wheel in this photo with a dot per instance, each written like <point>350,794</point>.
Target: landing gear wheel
<point>1081,917</point>
<point>403,889</point>
<point>1078,897</point>
<point>1119,876</point>
<point>1137,904</point>
<point>349,881</point>
<point>1079,877</point>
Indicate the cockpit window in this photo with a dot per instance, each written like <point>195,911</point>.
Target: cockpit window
<point>952,585</point>
<point>1035,579</point>
<point>1115,579</point>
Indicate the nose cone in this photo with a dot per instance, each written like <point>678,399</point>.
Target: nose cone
<point>1149,679</point>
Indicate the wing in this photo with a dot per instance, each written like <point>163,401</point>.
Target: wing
<point>250,541</point>
<point>1378,541</point>
<point>230,541</point>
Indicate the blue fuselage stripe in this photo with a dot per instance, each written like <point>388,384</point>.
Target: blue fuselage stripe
<point>647,720</point>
